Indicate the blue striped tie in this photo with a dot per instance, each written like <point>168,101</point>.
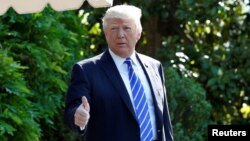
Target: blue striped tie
<point>140,102</point>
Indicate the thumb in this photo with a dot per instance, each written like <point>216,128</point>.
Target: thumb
<point>85,103</point>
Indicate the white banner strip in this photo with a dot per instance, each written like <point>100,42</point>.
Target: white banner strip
<point>26,6</point>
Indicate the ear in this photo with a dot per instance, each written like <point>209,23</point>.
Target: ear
<point>138,36</point>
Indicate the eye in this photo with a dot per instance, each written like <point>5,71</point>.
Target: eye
<point>113,28</point>
<point>127,28</point>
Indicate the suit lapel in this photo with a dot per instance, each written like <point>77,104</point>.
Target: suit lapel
<point>112,73</point>
<point>150,71</point>
<point>154,80</point>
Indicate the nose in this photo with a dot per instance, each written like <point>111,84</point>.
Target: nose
<point>121,33</point>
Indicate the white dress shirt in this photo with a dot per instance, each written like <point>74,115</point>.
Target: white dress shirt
<point>123,70</point>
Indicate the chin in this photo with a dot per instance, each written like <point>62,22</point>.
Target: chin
<point>124,54</point>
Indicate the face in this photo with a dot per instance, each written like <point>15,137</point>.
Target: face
<point>122,36</point>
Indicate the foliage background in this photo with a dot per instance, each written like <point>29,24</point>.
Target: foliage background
<point>204,46</point>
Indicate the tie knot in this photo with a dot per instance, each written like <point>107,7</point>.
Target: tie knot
<point>128,61</point>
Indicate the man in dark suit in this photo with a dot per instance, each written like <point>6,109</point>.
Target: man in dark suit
<point>100,100</point>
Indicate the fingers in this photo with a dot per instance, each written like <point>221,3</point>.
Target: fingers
<point>80,120</point>
<point>82,115</point>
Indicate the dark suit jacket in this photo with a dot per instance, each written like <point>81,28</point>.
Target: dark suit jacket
<point>112,117</point>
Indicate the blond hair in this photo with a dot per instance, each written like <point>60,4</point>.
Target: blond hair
<point>123,12</point>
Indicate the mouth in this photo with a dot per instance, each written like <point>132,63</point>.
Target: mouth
<point>121,44</point>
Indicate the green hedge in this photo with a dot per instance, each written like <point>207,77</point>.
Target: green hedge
<point>190,111</point>
<point>36,52</point>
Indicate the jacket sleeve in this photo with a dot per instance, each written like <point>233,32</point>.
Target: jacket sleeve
<point>78,87</point>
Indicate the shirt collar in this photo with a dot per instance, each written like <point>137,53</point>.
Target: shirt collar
<point>119,60</point>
